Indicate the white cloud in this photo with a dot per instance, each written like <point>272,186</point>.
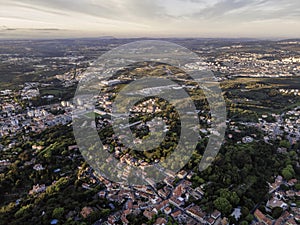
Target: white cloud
<point>155,17</point>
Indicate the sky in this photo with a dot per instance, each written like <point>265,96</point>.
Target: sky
<point>150,18</point>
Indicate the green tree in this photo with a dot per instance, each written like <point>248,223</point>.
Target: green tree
<point>234,198</point>
<point>249,218</point>
<point>223,205</point>
<point>244,222</point>
<point>58,212</point>
<point>285,144</point>
<point>288,172</point>
<point>245,211</point>
<point>105,212</point>
<point>22,212</point>
<point>276,212</point>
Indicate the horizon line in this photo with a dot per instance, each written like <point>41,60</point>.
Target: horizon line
<point>109,37</point>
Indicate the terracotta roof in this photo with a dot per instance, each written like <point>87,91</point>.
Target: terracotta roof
<point>160,221</point>
<point>176,214</point>
<point>262,218</point>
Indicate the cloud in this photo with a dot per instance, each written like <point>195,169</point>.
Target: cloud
<point>153,17</point>
<point>5,28</point>
<point>130,10</point>
<point>250,10</point>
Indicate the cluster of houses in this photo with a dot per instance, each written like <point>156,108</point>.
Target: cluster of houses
<point>14,119</point>
<point>36,189</point>
<point>283,127</point>
<point>284,199</point>
<point>255,65</point>
<point>169,202</point>
<point>290,91</point>
<point>286,126</point>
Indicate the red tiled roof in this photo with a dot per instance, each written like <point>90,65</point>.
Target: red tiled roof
<point>262,218</point>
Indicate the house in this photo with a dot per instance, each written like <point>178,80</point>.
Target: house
<point>290,193</point>
<point>274,202</point>
<point>37,147</point>
<point>162,193</point>
<point>179,190</point>
<point>282,150</point>
<point>111,220</point>
<point>199,191</point>
<point>176,214</point>
<point>262,218</point>
<point>155,199</point>
<point>167,210</point>
<point>110,82</point>
<point>291,222</point>
<point>176,201</point>
<point>86,186</point>
<point>283,219</point>
<point>86,211</point>
<point>148,214</point>
<point>186,183</point>
<point>224,221</point>
<point>216,214</point>
<point>72,147</point>
<point>279,221</point>
<point>38,167</point>
<point>151,182</point>
<point>197,213</point>
<point>158,208</point>
<point>102,194</point>
<point>169,181</point>
<point>292,182</point>
<point>247,139</point>
<point>182,174</point>
<point>210,221</point>
<point>124,219</point>
<point>37,189</point>
<point>160,221</point>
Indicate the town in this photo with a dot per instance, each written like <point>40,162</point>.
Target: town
<point>261,112</point>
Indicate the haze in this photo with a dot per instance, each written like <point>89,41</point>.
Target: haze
<point>151,18</point>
